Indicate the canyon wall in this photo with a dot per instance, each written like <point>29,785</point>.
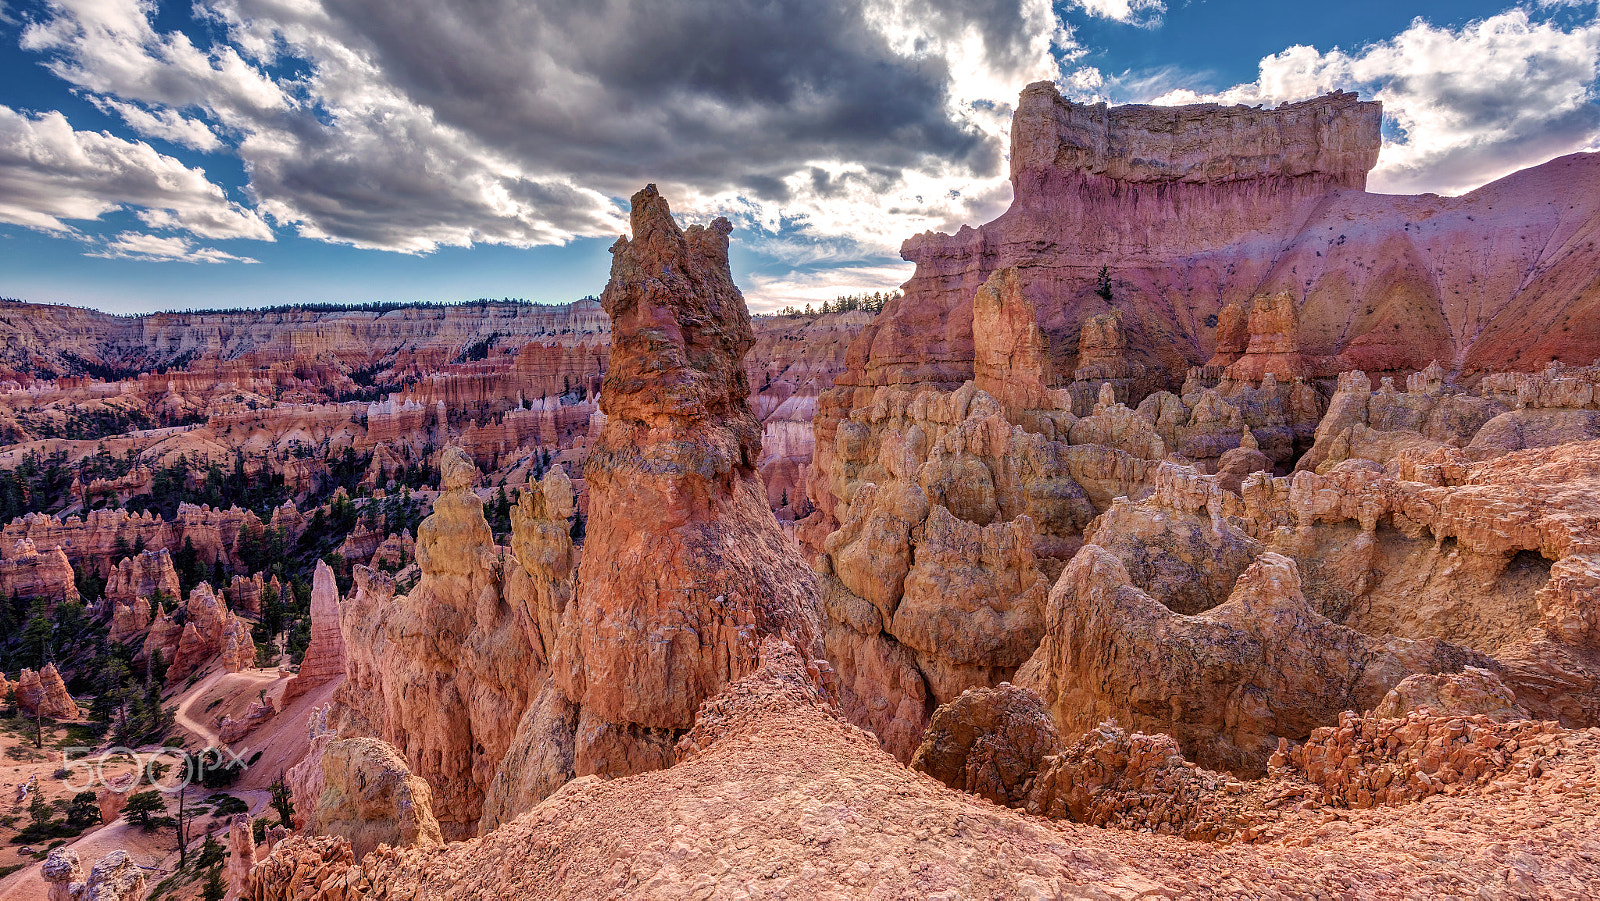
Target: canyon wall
<point>49,340</point>
<point>1216,229</point>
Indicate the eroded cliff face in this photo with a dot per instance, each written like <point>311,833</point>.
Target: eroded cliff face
<point>444,672</point>
<point>508,671</point>
<point>1241,239</point>
<point>199,632</point>
<point>1182,286</point>
<point>793,361</point>
<point>1394,552</point>
<point>54,340</point>
<point>1193,209</point>
<point>1333,139</point>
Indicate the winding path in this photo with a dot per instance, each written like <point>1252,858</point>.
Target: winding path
<point>206,733</point>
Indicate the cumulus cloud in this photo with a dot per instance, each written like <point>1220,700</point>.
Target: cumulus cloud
<point>110,47</point>
<point>1463,106</point>
<point>51,175</point>
<point>156,248</point>
<point>409,124</point>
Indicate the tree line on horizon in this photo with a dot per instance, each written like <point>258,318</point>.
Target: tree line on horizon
<point>373,306</point>
<point>845,303</point>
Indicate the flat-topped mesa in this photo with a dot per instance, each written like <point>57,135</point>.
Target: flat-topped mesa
<point>685,569</point>
<point>1334,138</point>
<point>1164,213</point>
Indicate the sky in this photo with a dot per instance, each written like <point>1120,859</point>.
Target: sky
<point>157,154</point>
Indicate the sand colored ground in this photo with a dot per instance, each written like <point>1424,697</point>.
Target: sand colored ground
<point>787,801</point>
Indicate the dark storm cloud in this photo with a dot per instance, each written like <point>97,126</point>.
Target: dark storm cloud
<point>405,124</point>
<point>702,91</point>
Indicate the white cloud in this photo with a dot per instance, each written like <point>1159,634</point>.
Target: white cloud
<point>166,124</point>
<point>1466,106</point>
<point>109,47</point>
<point>1139,12</point>
<point>51,175</point>
<point>154,248</point>
<point>769,293</point>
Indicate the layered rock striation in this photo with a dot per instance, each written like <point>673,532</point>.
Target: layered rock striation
<point>1191,209</point>
<point>685,569</point>
<point>43,693</point>
<point>26,572</point>
<point>201,631</point>
<point>1220,248</point>
<point>444,672</point>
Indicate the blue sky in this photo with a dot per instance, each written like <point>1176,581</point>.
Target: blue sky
<point>163,155</point>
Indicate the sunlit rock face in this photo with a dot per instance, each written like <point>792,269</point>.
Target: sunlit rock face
<point>1185,285</point>
<point>684,568</point>
<point>444,672</point>
<point>1240,238</point>
<point>508,671</point>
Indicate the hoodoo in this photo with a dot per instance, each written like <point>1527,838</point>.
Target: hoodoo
<point>685,569</point>
<point>1104,523</point>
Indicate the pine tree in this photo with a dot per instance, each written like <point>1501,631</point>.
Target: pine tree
<point>282,802</point>
<point>141,805</point>
<point>213,889</point>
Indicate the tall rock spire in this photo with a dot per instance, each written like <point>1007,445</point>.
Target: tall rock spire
<point>685,569</point>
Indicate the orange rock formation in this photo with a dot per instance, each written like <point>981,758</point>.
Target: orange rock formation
<point>325,656</point>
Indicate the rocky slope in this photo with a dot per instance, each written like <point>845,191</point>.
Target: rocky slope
<point>776,796</point>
